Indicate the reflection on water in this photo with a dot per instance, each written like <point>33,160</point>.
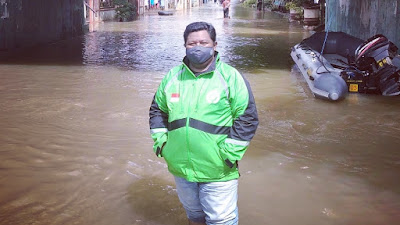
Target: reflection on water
<point>75,145</point>
<point>157,201</point>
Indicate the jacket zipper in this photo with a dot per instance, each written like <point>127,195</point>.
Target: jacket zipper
<point>187,127</point>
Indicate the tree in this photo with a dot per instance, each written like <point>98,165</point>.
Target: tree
<point>125,11</point>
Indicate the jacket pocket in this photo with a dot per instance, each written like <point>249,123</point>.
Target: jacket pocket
<point>208,162</point>
<point>224,154</point>
<point>175,152</point>
<point>159,149</point>
<point>159,144</point>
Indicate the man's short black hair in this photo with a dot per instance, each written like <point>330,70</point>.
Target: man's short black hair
<point>198,26</point>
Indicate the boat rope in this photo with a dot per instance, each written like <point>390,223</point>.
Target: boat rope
<point>323,45</point>
<point>326,28</point>
<point>326,37</point>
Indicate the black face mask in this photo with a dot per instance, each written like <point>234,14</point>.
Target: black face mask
<point>199,54</point>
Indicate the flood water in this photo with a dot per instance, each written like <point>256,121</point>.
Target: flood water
<point>75,146</point>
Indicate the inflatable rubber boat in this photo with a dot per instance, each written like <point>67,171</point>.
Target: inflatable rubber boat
<point>336,63</point>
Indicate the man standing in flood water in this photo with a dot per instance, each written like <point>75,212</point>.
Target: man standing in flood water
<point>202,119</point>
<point>225,5</point>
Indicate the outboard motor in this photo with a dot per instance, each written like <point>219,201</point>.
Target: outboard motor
<point>357,81</point>
<point>374,57</point>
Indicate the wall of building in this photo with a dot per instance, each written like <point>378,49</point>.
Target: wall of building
<point>365,18</point>
<point>107,14</point>
<point>25,23</point>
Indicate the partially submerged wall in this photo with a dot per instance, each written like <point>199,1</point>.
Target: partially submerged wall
<point>25,23</point>
<point>365,18</point>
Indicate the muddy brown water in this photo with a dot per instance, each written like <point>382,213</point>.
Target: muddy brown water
<point>76,149</point>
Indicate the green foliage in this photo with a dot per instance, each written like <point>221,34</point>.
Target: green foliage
<point>249,3</point>
<point>268,3</point>
<point>120,2</point>
<point>299,3</point>
<point>294,5</point>
<point>125,11</point>
<point>290,5</point>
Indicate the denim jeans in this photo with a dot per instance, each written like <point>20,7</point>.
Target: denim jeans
<point>213,203</point>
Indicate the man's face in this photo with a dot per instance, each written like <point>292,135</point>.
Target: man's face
<point>201,38</point>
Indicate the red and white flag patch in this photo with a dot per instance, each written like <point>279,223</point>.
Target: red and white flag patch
<point>174,97</point>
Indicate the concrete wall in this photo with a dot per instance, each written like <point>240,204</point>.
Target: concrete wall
<point>107,14</point>
<point>365,18</point>
<point>25,23</point>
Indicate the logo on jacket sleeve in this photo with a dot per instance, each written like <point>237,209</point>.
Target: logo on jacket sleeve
<point>174,97</point>
<point>213,97</point>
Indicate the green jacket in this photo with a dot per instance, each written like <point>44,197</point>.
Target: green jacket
<point>202,124</point>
